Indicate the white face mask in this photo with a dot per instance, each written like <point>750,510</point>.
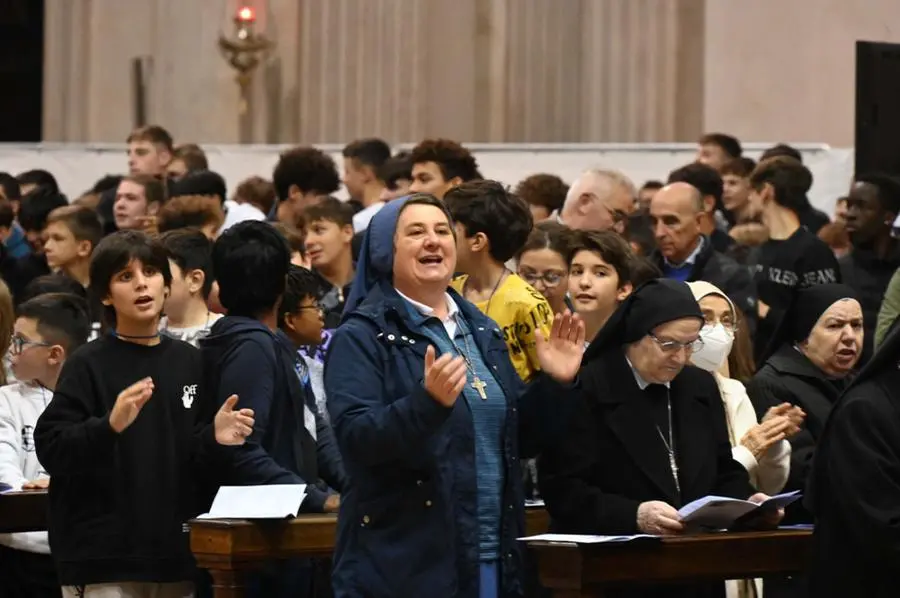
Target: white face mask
<point>717,342</point>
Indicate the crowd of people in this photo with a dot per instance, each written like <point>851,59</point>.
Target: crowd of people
<point>435,351</point>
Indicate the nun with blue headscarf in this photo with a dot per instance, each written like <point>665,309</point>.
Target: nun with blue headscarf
<point>432,420</point>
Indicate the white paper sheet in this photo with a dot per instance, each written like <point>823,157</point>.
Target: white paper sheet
<point>582,539</point>
<point>257,502</point>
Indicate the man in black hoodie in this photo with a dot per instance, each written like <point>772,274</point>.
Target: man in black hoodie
<point>245,352</point>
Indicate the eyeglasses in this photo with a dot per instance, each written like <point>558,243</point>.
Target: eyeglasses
<point>726,322</point>
<point>675,346</point>
<point>19,344</point>
<point>618,216</point>
<point>313,307</point>
<point>549,278</point>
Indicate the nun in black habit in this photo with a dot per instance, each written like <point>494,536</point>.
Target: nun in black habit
<point>854,486</point>
<point>649,433</point>
<point>813,353</point>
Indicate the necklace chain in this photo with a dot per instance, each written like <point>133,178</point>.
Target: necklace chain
<point>670,444</point>
<point>487,308</point>
<point>135,336</point>
<point>464,355</point>
<point>477,383</point>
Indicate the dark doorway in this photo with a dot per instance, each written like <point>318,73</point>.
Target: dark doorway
<point>877,107</point>
<point>21,69</point>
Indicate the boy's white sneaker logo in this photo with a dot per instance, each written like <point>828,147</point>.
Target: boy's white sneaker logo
<point>188,396</point>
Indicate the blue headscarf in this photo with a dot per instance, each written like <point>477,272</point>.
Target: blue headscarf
<point>376,256</point>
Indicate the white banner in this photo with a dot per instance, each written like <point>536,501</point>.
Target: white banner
<point>78,166</point>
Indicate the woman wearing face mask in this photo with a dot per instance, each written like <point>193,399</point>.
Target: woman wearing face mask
<point>815,348</point>
<point>761,447</point>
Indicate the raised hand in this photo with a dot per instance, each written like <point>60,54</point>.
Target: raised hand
<point>445,377</point>
<point>233,427</point>
<point>129,404</point>
<point>560,354</point>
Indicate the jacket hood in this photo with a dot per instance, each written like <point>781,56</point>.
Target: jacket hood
<point>231,331</point>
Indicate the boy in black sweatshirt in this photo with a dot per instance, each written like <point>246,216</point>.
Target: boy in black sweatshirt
<point>793,257</point>
<point>123,436</point>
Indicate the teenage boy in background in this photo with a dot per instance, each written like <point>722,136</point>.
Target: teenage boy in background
<point>47,329</point>
<point>362,160</point>
<point>301,319</point>
<point>124,438</point>
<point>600,264</point>
<point>188,318</point>
<point>302,176</point>
<point>491,225</point>
<point>33,215</point>
<point>70,236</point>
<point>793,257</point>
<point>328,227</point>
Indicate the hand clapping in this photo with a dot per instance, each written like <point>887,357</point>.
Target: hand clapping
<point>794,414</point>
<point>445,377</point>
<point>233,427</point>
<point>129,404</point>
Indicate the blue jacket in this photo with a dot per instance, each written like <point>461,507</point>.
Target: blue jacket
<point>242,356</point>
<point>408,522</point>
<point>17,245</point>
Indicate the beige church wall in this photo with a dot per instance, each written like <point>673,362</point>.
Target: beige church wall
<point>785,69</point>
<point>524,71</point>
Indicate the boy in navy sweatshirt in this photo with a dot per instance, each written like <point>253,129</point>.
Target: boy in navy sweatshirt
<point>124,435</point>
<point>245,353</point>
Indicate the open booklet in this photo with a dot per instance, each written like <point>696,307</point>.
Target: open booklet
<point>584,539</point>
<point>279,501</point>
<point>718,512</point>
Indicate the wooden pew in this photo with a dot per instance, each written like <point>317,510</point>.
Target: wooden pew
<point>587,570</point>
<point>23,511</point>
<point>228,549</point>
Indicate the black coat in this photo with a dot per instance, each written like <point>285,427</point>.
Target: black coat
<point>789,377</point>
<point>612,459</point>
<point>854,490</point>
<point>734,279</point>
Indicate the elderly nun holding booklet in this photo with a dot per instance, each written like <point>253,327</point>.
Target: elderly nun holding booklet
<point>432,420</point>
<point>648,435</point>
